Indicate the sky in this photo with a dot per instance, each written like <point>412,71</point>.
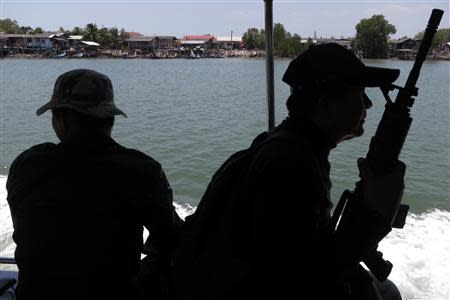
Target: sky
<point>330,18</point>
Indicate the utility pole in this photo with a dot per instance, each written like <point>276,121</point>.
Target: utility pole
<point>231,39</point>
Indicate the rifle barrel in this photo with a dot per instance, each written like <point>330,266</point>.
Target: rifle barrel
<point>433,23</point>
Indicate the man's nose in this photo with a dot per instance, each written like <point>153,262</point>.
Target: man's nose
<point>367,102</point>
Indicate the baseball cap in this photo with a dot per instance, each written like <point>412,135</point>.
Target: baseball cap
<point>85,91</point>
<point>332,63</point>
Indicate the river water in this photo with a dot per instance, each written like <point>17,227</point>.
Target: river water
<point>190,115</point>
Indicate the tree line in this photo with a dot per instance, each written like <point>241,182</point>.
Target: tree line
<point>107,37</point>
<point>371,38</point>
<point>285,43</point>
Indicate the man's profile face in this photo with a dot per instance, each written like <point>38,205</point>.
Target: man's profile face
<point>349,112</point>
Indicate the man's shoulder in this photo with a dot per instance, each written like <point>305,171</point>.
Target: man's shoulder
<point>35,151</point>
<point>34,158</point>
<point>134,158</point>
<point>40,148</point>
<point>286,145</point>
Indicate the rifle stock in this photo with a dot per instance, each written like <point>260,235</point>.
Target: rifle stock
<point>386,145</point>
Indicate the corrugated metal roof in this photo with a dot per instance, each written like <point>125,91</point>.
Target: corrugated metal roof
<point>165,37</point>
<point>89,43</point>
<point>43,35</point>
<point>198,37</point>
<point>141,39</point>
<point>9,35</point>
<point>193,42</point>
<point>229,38</point>
<point>76,37</point>
<point>133,34</point>
<point>399,41</point>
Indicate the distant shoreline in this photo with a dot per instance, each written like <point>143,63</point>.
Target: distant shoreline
<point>100,57</point>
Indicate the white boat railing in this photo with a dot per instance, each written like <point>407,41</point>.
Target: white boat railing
<point>7,261</point>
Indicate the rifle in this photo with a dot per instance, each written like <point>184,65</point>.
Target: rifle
<point>386,145</point>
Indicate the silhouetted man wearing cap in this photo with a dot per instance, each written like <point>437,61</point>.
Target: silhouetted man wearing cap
<point>79,207</point>
<point>280,245</point>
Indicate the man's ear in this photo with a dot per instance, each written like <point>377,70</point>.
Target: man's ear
<point>58,124</point>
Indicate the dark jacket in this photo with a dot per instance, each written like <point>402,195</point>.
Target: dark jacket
<point>270,237</point>
<point>78,211</point>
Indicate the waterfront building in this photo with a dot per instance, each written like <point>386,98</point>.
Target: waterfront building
<point>341,41</point>
<point>141,44</point>
<point>14,40</point>
<point>403,48</point>
<point>60,41</point>
<point>202,42</point>
<point>347,43</point>
<point>3,40</point>
<point>36,42</point>
<point>3,49</point>
<point>228,42</point>
<point>165,46</point>
<point>159,46</point>
<point>403,43</point>
<point>39,41</point>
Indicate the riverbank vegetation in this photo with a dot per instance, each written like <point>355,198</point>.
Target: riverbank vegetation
<point>285,43</point>
<point>371,40</point>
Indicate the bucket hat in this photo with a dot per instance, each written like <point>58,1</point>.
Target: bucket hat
<point>85,91</point>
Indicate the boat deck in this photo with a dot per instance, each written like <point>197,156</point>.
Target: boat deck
<point>5,278</point>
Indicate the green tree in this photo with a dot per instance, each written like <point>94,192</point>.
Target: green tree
<point>261,41</point>
<point>77,31</point>
<point>294,45</point>
<point>442,36</point>
<point>285,44</point>
<point>254,39</point>
<point>9,26</point>
<point>91,32</point>
<point>114,38</point>
<point>25,30</point>
<point>419,35</point>
<point>103,37</point>
<point>123,36</point>
<point>372,36</point>
<point>280,40</point>
<point>250,38</point>
<point>37,30</point>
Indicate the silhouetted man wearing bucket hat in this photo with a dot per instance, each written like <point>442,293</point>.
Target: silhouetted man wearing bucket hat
<point>79,207</point>
<point>278,242</point>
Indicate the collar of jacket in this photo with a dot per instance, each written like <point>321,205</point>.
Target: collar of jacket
<point>305,128</point>
<point>87,141</point>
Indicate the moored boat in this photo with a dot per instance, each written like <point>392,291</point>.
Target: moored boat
<point>59,55</point>
<point>78,55</point>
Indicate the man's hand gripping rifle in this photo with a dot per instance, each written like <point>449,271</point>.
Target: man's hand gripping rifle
<point>384,150</point>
